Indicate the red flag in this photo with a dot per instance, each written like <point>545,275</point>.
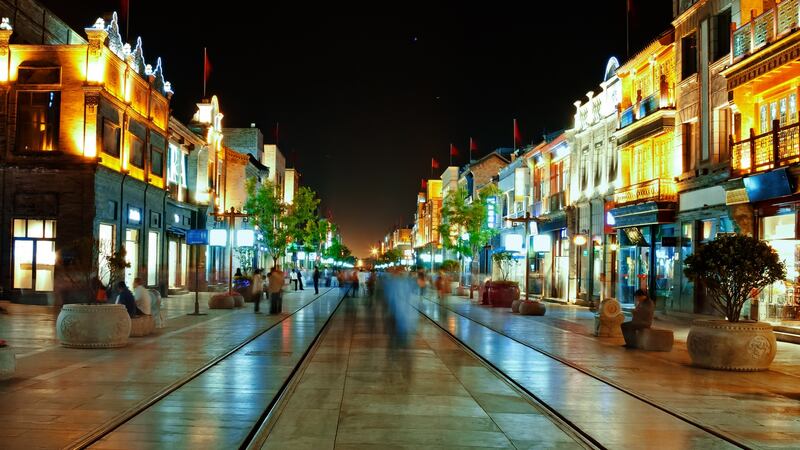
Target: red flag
<point>517,135</point>
<point>473,146</point>
<point>453,150</point>
<point>424,184</point>
<point>434,163</point>
<point>206,69</point>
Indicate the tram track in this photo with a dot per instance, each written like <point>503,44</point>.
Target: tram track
<point>558,417</point>
<point>110,426</point>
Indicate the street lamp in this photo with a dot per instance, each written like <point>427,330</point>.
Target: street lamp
<point>579,240</point>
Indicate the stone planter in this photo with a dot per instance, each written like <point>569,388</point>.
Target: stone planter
<point>531,308</point>
<point>502,293</point>
<point>93,326</point>
<point>222,301</point>
<point>515,306</point>
<point>722,345</point>
<point>8,363</point>
<point>238,300</point>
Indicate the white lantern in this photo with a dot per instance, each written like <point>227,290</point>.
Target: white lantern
<point>245,238</point>
<point>217,238</point>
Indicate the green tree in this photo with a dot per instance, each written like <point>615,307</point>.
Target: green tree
<point>469,216</point>
<point>302,211</point>
<point>317,234</point>
<point>392,255</point>
<point>734,268</point>
<point>268,214</point>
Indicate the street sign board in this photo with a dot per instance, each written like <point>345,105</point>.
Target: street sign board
<point>197,237</point>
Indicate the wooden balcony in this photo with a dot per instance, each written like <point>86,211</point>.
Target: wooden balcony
<point>764,29</point>
<point>758,153</point>
<point>658,190</point>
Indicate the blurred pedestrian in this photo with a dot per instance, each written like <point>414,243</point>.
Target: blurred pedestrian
<point>300,278</point>
<point>141,296</point>
<point>293,278</point>
<point>421,281</point>
<point>125,298</point>
<point>275,288</point>
<point>316,279</point>
<point>257,289</point>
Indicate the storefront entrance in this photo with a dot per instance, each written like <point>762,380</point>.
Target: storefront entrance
<point>646,261</point>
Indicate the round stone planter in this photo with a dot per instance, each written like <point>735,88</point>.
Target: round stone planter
<point>502,293</point>
<point>515,306</point>
<point>531,308</point>
<point>93,326</point>
<point>222,301</point>
<point>8,363</point>
<point>723,345</point>
<point>238,300</point>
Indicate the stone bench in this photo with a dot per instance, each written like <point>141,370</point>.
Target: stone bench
<point>142,325</point>
<point>8,363</point>
<point>654,339</point>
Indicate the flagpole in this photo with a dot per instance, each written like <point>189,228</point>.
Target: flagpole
<point>205,69</point>
<point>470,150</point>
<point>451,154</point>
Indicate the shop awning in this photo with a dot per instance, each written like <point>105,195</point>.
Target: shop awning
<point>555,224</point>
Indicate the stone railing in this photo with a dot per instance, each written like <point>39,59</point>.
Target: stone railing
<point>758,153</point>
<point>653,190</point>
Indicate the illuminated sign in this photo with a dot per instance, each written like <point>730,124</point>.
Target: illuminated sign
<point>513,242</point>
<point>542,243</point>
<point>520,178</point>
<point>217,238</point>
<point>134,215</point>
<point>245,238</point>
<point>491,206</point>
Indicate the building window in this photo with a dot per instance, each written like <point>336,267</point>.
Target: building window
<point>722,35</point>
<point>105,239</point>
<point>152,258</point>
<point>688,56</point>
<point>111,138</point>
<point>34,254</point>
<point>38,75</point>
<point>37,120</point>
<point>156,161</point>
<point>131,255</point>
<point>137,152</point>
<point>688,144</point>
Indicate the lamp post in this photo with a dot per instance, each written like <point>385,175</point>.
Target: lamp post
<point>230,216</point>
<point>526,219</point>
<point>579,240</point>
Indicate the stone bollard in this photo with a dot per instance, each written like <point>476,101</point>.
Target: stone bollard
<point>8,363</point>
<point>609,318</point>
<point>531,308</point>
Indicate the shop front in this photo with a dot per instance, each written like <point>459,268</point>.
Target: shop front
<point>551,246</point>
<point>779,303</point>
<point>646,252</point>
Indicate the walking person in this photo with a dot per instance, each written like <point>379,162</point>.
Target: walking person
<point>258,290</point>
<point>421,281</point>
<point>299,278</point>
<point>275,288</point>
<point>315,277</point>
<point>354,282</point>
<point>293,278</point>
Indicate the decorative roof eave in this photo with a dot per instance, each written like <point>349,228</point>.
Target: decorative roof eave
<point>134,57</point>
<point>656,46</point>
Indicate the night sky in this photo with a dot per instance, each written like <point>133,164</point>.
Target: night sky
<point>367,94</point>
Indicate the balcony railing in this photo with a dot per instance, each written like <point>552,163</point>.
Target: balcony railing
<point>661,99</point>
<point>660,190</point>
<point>762,30</point>
<point>776,148</point>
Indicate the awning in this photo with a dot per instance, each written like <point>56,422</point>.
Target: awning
<point>551,225</point>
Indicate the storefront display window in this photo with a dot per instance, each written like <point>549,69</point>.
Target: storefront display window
<point>105,237</point>
<point>152,258</point>
<point>781,300</point>
<point>634,261</point>
<point>34,254</point>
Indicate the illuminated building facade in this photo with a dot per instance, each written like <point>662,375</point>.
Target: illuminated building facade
<point>763,84</point>
<point>513,182</point>
<point>702,127</point>
<point>83,155</point>
<point>594,176</point>
<point>645,198</point>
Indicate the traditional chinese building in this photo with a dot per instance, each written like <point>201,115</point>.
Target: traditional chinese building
<point>83,157</point>
<point>763,82</point>
<point>594,172</point>
<point>645,197</point>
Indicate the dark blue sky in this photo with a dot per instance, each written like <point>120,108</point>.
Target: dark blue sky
<point>367,93</point>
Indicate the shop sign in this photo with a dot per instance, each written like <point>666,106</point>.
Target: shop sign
<point>197,237</point>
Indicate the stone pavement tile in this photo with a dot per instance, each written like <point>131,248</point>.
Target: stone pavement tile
<point>299,423</point>
<point>313,398</point>
<point>414,422</point>
<point>299,443</point>
<point>545,445</point>
<point>530,427</point>
<point>411,405</point>
<point>452,438</point>
<point>494,403</point>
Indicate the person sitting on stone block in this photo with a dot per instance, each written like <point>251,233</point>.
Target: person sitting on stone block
<point>642,318</point>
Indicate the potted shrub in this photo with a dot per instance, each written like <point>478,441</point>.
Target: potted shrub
<point>89,323</point>
<point>733,268</point>
<point>502,293</point>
